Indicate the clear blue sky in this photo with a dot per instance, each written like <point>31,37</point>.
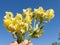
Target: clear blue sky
<point>16,6</point>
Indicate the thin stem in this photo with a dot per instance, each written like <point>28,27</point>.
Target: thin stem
<point>19,37</point>
<point>34,23</point>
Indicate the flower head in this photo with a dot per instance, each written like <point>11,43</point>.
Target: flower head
<point>49,14</point>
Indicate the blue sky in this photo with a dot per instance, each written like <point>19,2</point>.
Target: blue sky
<point>51,29</point>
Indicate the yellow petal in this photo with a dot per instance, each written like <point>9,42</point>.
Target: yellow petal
<point>8,15</point>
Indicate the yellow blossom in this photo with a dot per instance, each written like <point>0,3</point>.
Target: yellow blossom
<point>37,33</point>
<point>24,26</point>
<point>9,15</point>
<point>39,11</point>
<point>11,28</point>
<point>28,20</point>
<point>49,14</point>
<point>41,32</point>
<point>18,16</point>
<point>7,22</point>
<point>22,31</point>
<point>28,12</point>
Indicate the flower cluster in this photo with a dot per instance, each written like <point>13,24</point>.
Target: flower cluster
<point>31,22</point>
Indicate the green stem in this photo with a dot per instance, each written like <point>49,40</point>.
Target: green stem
<point>28,38</point>
<point>19,37</point>
<point>34,23</point>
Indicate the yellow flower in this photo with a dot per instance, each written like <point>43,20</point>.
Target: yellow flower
<point>23,31</point>
<point>15,21</point>
<point>39,12</point>
<point>24,26</point>
<point>11,28</point>
<point>18,19</point>
<point>28,12</point>
<point>28,15</point>
<point>18,16</point>
<point>28,20</point>
<point>8,25</point>
<point>9,15</point>
<point>35,34</point>
<point>41,32</point>
<point>7,22</point>
<point>18,27</point>
<point>49,14</point>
